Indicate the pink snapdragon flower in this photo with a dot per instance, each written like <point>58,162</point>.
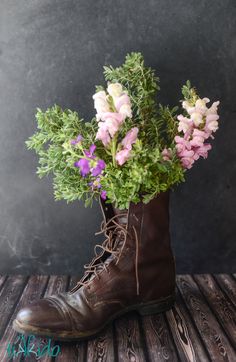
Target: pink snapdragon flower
<point>113,122</point>
<point>185,124</point>
<point>211,122</point>
<point>108,126</point>
<point>187,158</point>
<point>203,150</point>
<point>130,138</point>
<point>167,154</point>
<point>196,129</point>
<point>127,142</point>
<point>112,109</point>
<point>123,105</point>
<point>182,144</point>
<point>103,134</point>
<point>198,138</point>
<point>122,156</point>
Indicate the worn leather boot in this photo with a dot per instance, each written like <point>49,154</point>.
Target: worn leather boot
<point>134,271</point>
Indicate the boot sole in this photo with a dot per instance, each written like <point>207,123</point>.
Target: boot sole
<point>144,309</point>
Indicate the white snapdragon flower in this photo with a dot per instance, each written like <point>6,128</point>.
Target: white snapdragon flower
<point>100,103</point>
<point>196,117</point>
<point>200,105</point>
<point>115,89</point>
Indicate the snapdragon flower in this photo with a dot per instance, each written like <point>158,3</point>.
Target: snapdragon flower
<point>167,154</point>
<point>130,138</point>
<point>127,142</point>
<point>123,105</point>
<point>112,109</point>
<point>196,129</point>
<point>100,104</point>
<point>122,156</point>
<point>115,90</point>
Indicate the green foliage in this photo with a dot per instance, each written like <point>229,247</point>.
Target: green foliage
<point>189,93</point>
<point>144,175</point>
<point>52,144</point>
<point>140,82</point>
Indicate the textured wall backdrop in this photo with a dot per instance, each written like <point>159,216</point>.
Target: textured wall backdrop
<point>53,52</point>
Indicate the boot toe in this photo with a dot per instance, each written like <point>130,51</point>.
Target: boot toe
<point>42,315</point>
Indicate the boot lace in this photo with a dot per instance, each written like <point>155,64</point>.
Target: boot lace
<point>116,234</point>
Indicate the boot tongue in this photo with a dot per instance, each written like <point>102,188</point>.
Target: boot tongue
<point>121,219</point>
<point>122,216</point>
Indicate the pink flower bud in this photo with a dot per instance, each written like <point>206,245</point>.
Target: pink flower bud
<point>167,153</point>
<point>122,156</point>
<point>123,105</point>
<point>130,138</point>
<point>102,134</point>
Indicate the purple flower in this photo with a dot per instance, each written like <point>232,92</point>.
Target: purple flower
<point>90,152</point>
<point>103,194</point>
<point>83,165</point>
<point>77,140</point>
<point>98,168</point>
<point>95,184</point>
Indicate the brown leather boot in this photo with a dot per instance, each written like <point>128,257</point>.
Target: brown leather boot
<point>135,271</point>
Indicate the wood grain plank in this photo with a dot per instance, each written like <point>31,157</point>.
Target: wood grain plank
<point>189,345</point>
<point>210,330</point>
<point>101,347</point>
<point>128,338</point>
<point>221,307</point>
<point>159,341</point>
<point>192,339</point>
<point>9,296</point>
<point>3,279</point>
<point>72,351</point>
<point>32,291</point>
<point>56,284</point>
<point>228,284</point>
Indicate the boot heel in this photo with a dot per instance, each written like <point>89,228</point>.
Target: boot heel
<point>157,307</point>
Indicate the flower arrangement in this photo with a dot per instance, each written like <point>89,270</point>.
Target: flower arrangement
<point>133,148</point>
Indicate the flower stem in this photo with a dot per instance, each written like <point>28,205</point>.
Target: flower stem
<point>113,150</point>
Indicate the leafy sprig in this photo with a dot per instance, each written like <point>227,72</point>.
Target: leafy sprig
<point>144,175</point>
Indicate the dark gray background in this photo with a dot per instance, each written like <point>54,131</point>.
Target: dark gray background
<point>53,52</point>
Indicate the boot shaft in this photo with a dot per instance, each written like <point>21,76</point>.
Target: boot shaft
<point>147,246</point>
<point>149,224</point>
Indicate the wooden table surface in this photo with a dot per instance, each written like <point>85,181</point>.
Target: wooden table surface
<point>201,327</point>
